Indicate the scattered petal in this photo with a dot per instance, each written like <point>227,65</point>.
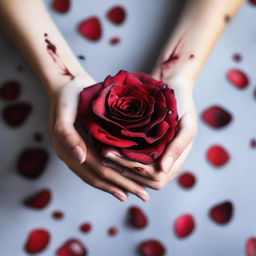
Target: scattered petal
<point>61,6</point>
<point>39,200</point>
<point>152,248</point>
<point>184,225</point>
<point>10,90</point>
<point>72,247</point>
<point>86,227</point>
<point>37,241</point>
<point>137,218</point>
<point>187,180</point>
<point>113,231</point>
<point>58,215</point>
<point>117,15</point>
<point>217,155</point>
<point>114,40</point>
<point>238,78</point>
<point>91,28</point>
<point>250,247</point>
<point>222,213</point>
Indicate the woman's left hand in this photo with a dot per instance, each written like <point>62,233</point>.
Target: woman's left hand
<point>158,174</point>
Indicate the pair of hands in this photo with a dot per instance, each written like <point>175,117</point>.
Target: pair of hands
<point>109,171</point>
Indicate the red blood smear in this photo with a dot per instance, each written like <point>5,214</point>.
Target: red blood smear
<point>253,143</point>
<point>217,155</point>
<point>86,227</point>
<point>114,40</point>
<point>250,247</point>
<point>137,218</point>
<point>10,90</point>
<point>152,248</point>
<point>238,78</point>
<point>38,137</point>
<point>32,162</point>
<point>72,247</point>
<point>61,6</point>
<point>39,200</point>
<point>37,241</point>
<point>184,225</point>
<point>221,213</point>
<point>58,215</point>
<point>237,57</point>
<point>216,117</point>
<point>113,231</point>
<point>91,28</point>
<point>187,180</point>
<point>117,15</point>
<point>252,2</point>
<point>15,115</point>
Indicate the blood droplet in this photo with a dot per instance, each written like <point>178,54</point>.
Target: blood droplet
<point>221,213</point>
<point>61,6</point>
<point>32,162</point>
<point>250,247</point>
<point>184,225</point>
<point>15,115</point>
<point>253,143</point>
<point>117,15</point>
<point>37,241</point>
<point>112,231</point>
<point>152,248</point>
<point>237,57</point>
<point>137,218</point>
<point>10,90</point>
<point>72,247</point>
<point>187,180</point>
<point>86,227</point>
<point>114,40</point>
<point>58,215</point>
<point>216,117</point>
<point>91,28</point>
<point>38,200</point>
<point>238,78</point>
<point>217,155</point>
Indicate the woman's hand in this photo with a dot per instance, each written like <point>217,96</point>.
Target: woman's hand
<point>157,175</point>
<point>83,158</point>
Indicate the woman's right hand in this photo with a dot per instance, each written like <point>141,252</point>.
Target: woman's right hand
<point>83,158</point>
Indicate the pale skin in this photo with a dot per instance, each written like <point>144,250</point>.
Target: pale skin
<point>200,27</point>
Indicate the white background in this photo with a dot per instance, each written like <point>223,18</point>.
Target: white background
<point>143,35</point>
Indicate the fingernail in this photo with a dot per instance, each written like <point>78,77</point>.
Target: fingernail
<point>121,196</point>
<point>79,154</point>
<point>143,195</point>
<point>167,164</point>
<point>111,155</point>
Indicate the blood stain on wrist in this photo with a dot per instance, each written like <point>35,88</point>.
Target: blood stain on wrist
<point>52,50</point>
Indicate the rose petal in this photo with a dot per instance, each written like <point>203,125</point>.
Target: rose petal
<point>148,79</point>
<point>250,247</point>
<point>37,241</point>
<point>184,225</point>
<point>114,40</point>
<point>133,80</point>
<point>91,28</point>
<point>86,227</point>
<point>119,78</point>
<point>116,15</point>
<point>16,114</point>
<point>32,162</point>
<point>39,200</point>
<point>187,180</point>
<point>10,90</point>
<point>222,213</point>
<point>152,248</point>
<point>113,231</point>
<point>72,247</point>
<point>216,117</point>
<point>238,78</point>
<point>61,6</point>
<point>137,218</point>
<point>217,155</point>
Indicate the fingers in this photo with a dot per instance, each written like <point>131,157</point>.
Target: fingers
<point>176,147</point>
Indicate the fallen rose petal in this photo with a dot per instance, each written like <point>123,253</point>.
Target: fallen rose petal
<point>222,213</point>
<point>250,247</point>
<point>187,180</point>
<point>152,248</point>
<point>238,78</point>
<point>10,90</point>
<point>61,6</point>
<point>91,28</point>
<point>37,241</point>
<point>39,200</point>
<point>15,115</point>
<point>72,247</point>
<point>117,15</point>
<point>184,225</point>
<point>216,117</point>
<point>32,162</point>
<point>113,231</point>
<point>217,155</point>
<point>137,218</point>
<point>86,227</point>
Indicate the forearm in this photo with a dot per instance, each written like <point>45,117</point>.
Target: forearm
<point>30,27</point>
<point>200,26</point>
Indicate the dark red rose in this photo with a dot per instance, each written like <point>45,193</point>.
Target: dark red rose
<point>131,112</point>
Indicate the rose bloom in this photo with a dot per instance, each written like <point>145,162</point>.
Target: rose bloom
<point>131,112</point>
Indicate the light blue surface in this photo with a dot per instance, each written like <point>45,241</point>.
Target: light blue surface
<point>142,36</point>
